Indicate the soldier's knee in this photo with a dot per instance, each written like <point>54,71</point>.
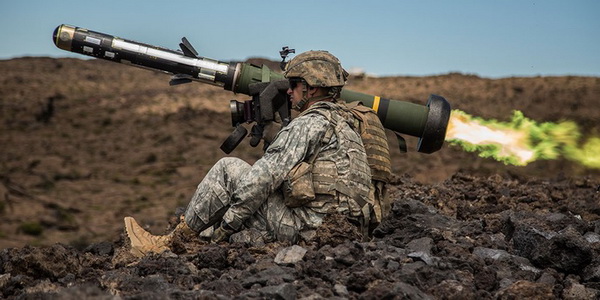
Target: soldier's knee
<point>227,162</point>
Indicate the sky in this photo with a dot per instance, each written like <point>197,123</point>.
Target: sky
<point>386,38</point>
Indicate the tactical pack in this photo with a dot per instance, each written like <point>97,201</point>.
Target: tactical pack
<point>365,122</point>
<point>376,145</point>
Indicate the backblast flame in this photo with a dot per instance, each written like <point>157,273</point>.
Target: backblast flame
<point>521,140</point>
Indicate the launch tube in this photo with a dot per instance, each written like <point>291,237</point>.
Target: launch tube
<point>107,47</point>
<point>427,122</point>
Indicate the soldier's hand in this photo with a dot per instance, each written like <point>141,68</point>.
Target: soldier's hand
<point>270,131</point>
<point>222,233</point>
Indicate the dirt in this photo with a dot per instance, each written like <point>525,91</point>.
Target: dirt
<point>86,143</point>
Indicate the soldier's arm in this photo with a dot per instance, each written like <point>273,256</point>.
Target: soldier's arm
<point>291,145</point>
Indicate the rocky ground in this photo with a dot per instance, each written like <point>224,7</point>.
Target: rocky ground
<point>86,143</point>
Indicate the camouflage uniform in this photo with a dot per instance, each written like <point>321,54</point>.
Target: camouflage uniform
<point>314,166</point>
<point>251,196</point>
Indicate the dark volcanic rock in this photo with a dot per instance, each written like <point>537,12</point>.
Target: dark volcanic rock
<point>418,253</point>
<point>566,249</point>
<point>52,262</point>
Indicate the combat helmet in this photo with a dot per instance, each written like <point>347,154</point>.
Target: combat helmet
<point>318,69</point>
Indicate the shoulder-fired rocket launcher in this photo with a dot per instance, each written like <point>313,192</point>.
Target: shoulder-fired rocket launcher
<point>427,122</point>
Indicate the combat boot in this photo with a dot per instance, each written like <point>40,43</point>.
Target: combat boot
<point>143,242</point>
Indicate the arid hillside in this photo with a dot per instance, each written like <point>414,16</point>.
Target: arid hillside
<point>84,143</point>
<point>121,141</point>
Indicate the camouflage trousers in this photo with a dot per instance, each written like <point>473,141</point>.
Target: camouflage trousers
<point>214,196</point>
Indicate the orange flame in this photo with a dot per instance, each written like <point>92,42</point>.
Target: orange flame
<point>511,142</point>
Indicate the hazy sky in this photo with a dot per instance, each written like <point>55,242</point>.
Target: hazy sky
<point>487,38</point>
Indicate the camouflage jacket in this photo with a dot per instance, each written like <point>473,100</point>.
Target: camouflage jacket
<point>292,145</point>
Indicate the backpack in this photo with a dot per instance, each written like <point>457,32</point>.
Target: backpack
<point>376,145</point>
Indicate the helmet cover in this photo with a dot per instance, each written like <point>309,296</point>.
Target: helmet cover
<point>317,68</point>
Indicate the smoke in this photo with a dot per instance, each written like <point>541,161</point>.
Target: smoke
<point>522,140</point>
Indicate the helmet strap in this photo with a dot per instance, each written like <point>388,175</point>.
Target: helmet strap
<point>335,92</point>
<point>333,95</point>
<point>304,99</point>
<point>301,104</point>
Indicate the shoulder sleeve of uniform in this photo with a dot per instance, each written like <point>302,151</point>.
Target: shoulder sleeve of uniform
<point>304,132</point>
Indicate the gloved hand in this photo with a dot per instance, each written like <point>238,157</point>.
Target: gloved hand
<point>222,233</point>
<point>271,129</point>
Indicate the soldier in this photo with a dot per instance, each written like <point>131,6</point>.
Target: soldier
<point>314,166</point>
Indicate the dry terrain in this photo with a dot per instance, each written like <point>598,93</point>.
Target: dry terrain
<point>84,143</point>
